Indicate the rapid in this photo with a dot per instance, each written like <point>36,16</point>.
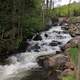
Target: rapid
<point>20,64</point>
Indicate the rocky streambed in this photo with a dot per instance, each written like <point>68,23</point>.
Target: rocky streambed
<point>43,59</point>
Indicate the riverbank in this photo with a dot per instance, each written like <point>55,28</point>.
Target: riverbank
<point>69,51</point>
<point>26,62</point>
<point>44,55</point>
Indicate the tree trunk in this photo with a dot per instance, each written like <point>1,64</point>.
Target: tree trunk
<point>43,10</point>
<point>69,8</point>
<point>13,17</point>
<point>47,4</point>
<point>51,4</point>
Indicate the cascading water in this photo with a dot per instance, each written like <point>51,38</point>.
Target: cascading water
<point>21,64</point>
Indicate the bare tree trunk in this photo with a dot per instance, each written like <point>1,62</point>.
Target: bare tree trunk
<point>14,17</point>
<point>47,4</point>
<point>69,8</point>
<point>43,11</point>
<point>51,4</point>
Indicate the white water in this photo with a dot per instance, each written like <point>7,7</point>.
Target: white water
<point>21,64</point>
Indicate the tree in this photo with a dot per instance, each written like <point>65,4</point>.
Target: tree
<point>47,4</point>
<point>69,8</point>
<point>51,4</point>
<point>19,20</point>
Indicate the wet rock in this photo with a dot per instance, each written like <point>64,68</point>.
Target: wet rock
<point>55,43</point>
<point>63,24</point>
<point>65,27</point>
<point>61,37</point>
<point>37,37</point>
<point>44,44</point>
<point>43,61</point>
<point>55,24</point>
<point>58,52</point>
<point>65,32</point>
<point>72,43</point>
<point>56,66</point>
<point>35,48</point>
<point>46,35</point>
<point>67,46</point>
<point>52,61</point>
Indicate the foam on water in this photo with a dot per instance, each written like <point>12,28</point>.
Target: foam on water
<point>21,64</point>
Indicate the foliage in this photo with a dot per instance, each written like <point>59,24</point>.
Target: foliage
<point>19,19</point>
<point>74,9</point>
<point>73,54</point>
<point>32,24</point>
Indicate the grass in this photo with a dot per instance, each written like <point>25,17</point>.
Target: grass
<point>69,77</point>
<point>73,54</point>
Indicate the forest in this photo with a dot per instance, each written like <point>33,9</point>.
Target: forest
<point>72,9</point>
<point>37,36</point>
<point>19,20</point>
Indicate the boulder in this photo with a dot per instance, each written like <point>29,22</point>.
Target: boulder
<point>56,66</point>
<point>46,35</point>
<point>52,61</point>
<point>76,39</point>
<point>55,43</point>
<point>72,43</point>
<point>74,29</point>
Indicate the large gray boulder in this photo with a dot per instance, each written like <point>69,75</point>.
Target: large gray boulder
<point>52,61</point>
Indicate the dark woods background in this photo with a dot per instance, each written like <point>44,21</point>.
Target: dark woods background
<point>19,20</point>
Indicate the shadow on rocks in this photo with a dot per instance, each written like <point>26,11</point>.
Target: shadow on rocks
<point>41,74</point>
<point>36,74</point>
